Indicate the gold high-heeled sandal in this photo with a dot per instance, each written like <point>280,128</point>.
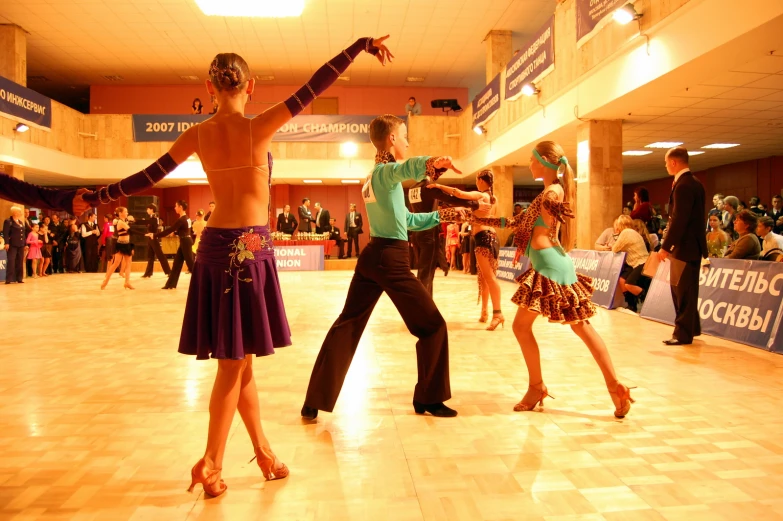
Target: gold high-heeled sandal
<point>623,394</point>
<point>497,320</point>
<point>484,316</point>
<point>522,406</point>
<point>271,467</point>
<point>208,479</point>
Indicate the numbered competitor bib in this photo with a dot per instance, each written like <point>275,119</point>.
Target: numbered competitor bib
<point>414,195</point>
<point>367,192</point>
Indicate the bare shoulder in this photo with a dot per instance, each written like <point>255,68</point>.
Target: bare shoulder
<point>556,190</point>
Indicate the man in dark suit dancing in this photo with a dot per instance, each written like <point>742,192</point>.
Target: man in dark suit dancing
<point>305,216</point>
<point>286,222</point>
<point>353,228</point>
<point>685,241</point>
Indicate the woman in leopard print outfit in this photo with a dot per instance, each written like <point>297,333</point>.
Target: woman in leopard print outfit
<point>551,287</point>
<point>487,246</point>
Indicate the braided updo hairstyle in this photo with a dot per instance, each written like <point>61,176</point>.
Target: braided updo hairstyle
<point>228,71</point>
<point>489,178</point>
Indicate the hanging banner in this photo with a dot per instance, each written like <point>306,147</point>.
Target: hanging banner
<point>592,13</point>
<point>604,267</point>
<point>739,300</point>
<point>507,270</point>
<point>25,105</point>
<point>487,102</point>
<point>299,258</point>
<point>331,128</point>
<point>532,62</point>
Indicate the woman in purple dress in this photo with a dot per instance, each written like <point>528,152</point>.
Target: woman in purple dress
<point>234,308</point>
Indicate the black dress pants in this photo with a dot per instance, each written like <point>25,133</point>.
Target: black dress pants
<point>16,264</point>
<point>353,239</point>
<point>428,244</point>
<point>383,267</point>
<point>184,255</point>
<point>154,250</point>
<point>686,300</point>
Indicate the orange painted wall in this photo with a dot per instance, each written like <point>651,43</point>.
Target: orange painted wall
<point>177,99</point>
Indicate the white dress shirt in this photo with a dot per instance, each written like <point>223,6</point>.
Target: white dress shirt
<point>770,242</point>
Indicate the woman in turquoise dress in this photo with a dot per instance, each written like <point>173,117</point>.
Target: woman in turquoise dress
<point>551,287</point>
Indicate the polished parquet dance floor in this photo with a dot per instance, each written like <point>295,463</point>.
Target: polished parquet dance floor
<point>101,419</point>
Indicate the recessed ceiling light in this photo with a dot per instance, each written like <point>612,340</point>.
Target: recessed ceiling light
<point>637,152</point>
<point>414,79</point>
<point>312,181</point>
<point>189,78</point>
<point>113,77</point>
<point>721,145</point>
<point>198,181</point>
<point>695,153</point>
<point>664,144</point>
<point>265,78</point>
<point>350,181</point>
<point>258,8</point>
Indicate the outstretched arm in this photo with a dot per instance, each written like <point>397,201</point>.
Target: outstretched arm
<point>449,190</point>
<point>29,194</point>
<point>280,114</point>
<point>185,146</point>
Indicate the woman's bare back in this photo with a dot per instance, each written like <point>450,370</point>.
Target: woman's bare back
<point>234,154</point>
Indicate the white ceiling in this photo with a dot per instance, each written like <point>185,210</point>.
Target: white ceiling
<point>78,42</point>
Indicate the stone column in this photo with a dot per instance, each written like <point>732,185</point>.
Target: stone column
<point>13,53</point>
<point>499,52</point>
<point>504,192</point>
<point>599,179</point>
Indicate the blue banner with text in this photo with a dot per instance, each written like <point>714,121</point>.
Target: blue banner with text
<point>25,105</point>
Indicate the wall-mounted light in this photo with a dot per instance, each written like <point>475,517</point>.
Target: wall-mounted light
<point>529,89</point>
<point>21,127</point>
<point>626,14</point>
<point>480,129</point>
<point>349,149</point>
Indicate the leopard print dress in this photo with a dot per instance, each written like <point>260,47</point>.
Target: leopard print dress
<point>563,303</point>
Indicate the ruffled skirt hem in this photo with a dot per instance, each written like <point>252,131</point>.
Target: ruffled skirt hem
<point>562,303</point>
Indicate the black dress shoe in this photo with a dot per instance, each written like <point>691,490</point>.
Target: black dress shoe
<point>675,342</point>
<point>435,409</point>
<point>309,413</point>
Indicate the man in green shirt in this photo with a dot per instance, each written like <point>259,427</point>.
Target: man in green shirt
<point>384,266</point>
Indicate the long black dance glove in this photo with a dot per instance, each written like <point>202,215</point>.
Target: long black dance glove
<point>328,74</point>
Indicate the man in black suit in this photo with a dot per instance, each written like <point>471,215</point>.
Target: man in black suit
<point>776,213</point>
<point>181,228</point>
<point>286,222</point>
<point>334,235</point>
<point>305,216</point>
<point>321,218</point>
<point>353,228</point>
<point>15,242</point>
<point>686,242</point>
<point>428,242</point>
<point>154,248</point>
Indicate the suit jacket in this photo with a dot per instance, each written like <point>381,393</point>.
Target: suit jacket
<point>359,223</point>
<point>334,233</point>
<point>424,200</point>
<point>322,221</point>
<point>305,216</point>
<point>286,225</point>
<point>13,232</point>
<point>775,215</point>
<point>685,238</point>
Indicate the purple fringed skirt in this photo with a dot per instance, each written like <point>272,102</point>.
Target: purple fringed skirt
<point>234,305</point>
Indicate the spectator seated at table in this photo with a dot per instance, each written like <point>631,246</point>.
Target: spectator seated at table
<point>650,239</point>
<point>747,246</point>
<point>607,239</point>
<point>632,282</point>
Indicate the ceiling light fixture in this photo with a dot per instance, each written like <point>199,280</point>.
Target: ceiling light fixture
<point>695,153</point>
<point>664,144</point>
<point>349,149</point>
<point>350,181</point>
<point>312,181</point>
<point>529,89</point>
<point>721,145</point>
<point>265,78</point>
<point>414,79</point>
<point>637,152</point>
<point>626,14</point>
<point>189,78</point>
<point>21,127</point>
<point>198,181</point>
<point>480,129</point>
<point>538,179</point>
<point>256,8</point>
